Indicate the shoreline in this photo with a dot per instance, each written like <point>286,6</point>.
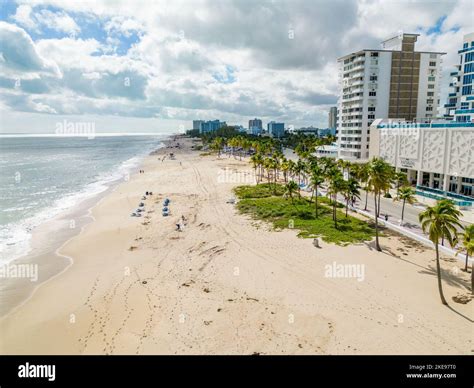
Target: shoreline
<point>227,284</point>
<point>47,258</point>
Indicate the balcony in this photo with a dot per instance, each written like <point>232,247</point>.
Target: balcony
<point>356,82</point>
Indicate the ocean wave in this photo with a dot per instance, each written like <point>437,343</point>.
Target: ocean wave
<point>15,238</point>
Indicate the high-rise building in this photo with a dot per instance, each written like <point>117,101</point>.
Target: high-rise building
<point>332,117</point>
<point>197,124</point>
<point>276,129</point>
<point>460,104</point>
<point>394,82</point>
<point>210,126</point>
<point>255,127</point>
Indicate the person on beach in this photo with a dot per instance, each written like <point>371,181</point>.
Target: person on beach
<point>178,227</point>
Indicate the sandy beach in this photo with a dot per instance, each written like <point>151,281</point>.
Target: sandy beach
<point>227,284</point>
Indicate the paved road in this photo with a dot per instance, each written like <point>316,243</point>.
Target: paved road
<point>394,210</point>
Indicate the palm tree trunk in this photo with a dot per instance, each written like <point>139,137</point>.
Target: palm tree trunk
<point>377,245</point>
<point>347,206</point>
<point>438,270</point>
<point>467,258</point>
<point>274,181</point>
<point>316,201</point>
<point>472,278</point>
<point>378,207</point>
<point>403,210</point>
<point>366,198</point>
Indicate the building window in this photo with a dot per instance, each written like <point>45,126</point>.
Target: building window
<point>469,68</point>
<point>371,109</point>
<point>371,117</point>
<point>432,63</point>
<point>374,54</point>
<point>469,57</point>
<point>429,101</point>
<point>466,90</point>
<point>373,78</point>
<point>430,94</point>
<point>372,94</point>
<point>429,108</point>
<point>467,79</point>
<point>431,79</point>
<point>431,86</point>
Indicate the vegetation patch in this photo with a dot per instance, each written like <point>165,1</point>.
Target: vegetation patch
<point>260,203</point>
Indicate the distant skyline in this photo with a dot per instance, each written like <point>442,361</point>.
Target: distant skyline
<point>157,65</point>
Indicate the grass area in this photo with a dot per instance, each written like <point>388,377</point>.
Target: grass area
<point>260,203</point>
<point>262,190</point>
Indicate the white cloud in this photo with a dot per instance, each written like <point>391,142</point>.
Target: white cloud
<point>23,17</point>
<point>19,55</point>
<point>182,44</point>
<point>58,21</point>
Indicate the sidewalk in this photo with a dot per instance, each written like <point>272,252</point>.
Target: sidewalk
<point>416,234</point>
<point>411,230</point>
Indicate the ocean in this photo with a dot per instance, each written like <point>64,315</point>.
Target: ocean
<point>40,177</point>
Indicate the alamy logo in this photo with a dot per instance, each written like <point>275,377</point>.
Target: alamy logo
<point>76,128</point>
<point>228,175</point>
<point>27,271</point>
<point>37,371</point>
<point>345,271</point>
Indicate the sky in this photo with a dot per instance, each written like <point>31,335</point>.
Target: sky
<point>143,65</point>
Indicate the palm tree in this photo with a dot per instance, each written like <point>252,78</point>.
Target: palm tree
<point>299,169</point>
<point>380,174</point>
<point>291,188</point>
<point>336,184</point>
<point>272,165</point>
<point>441,220</point>
<point>317,179</point>
<point>285,167</point>
<point>467,242</point>
<point>217,144</point>
<point>232,143</point>
<point>267,165</point>
<point>351,191</point>
<point>291,168</point>
<point>400,179</point>
<point>405,194</point>
<point>255,164</point>
<point>362,173</point>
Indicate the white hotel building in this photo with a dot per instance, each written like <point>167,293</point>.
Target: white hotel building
<point>437,156</point>
<point>392,82</point>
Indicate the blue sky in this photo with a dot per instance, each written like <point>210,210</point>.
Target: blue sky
<point>161,64</point>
